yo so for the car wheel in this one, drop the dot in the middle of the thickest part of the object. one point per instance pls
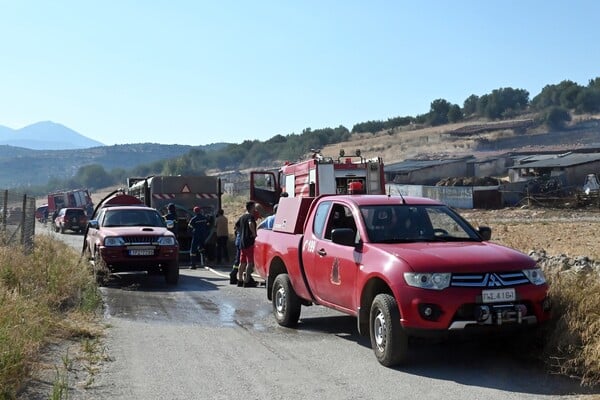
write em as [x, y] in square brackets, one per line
[56, 228]
[172, 273]
[286, 303]
[388, 339]
[62, 229]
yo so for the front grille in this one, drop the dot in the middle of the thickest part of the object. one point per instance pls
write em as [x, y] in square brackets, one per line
[140, 239]
[489, 279]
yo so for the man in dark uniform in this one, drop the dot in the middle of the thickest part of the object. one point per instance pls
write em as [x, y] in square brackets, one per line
[199, 225]
[171, 215]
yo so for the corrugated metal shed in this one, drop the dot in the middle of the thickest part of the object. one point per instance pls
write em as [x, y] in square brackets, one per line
[568, 160]
[415, 165]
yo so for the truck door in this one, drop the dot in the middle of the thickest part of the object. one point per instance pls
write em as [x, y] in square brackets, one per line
[332, 269]
[264, 189]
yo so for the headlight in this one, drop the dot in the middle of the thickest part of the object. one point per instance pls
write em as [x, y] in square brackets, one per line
[166, 241]
[428, 281]
[535, 276]
[114, 241]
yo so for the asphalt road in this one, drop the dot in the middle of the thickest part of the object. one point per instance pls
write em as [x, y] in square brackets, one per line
[206, 339]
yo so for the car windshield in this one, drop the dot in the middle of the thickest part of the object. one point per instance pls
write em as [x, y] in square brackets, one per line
[420, 223]
[150, 217]
[74, 213]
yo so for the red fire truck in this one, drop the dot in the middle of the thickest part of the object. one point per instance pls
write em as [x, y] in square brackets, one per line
[76, 198]
[316, 176]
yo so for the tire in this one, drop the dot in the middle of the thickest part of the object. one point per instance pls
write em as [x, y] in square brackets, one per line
[56, 229]
[62, 229]
[172, 273]
[286, 303]
[388, 340]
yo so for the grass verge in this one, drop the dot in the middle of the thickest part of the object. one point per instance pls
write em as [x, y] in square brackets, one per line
[46, 293]
[572, 345]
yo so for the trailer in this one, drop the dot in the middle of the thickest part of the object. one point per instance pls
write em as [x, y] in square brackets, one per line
[185, 192]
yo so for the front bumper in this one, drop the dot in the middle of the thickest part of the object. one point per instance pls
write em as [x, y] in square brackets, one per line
[138, 258]
[459, 308]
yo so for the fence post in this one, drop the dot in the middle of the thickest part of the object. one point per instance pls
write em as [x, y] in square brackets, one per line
[24, 207]
[4, 210]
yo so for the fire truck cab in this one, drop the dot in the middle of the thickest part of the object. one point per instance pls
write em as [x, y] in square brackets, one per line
[316, 176]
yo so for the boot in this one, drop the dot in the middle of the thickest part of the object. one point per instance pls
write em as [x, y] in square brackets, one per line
[251, 283]
[233, 276]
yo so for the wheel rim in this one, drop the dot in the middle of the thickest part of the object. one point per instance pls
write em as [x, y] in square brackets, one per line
[379, 330]
[280, 297]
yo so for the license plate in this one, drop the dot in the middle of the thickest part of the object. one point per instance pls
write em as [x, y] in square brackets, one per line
[498, 295]
[141, 252]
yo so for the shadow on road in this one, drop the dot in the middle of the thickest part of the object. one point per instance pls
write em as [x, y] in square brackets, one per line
[484, 361]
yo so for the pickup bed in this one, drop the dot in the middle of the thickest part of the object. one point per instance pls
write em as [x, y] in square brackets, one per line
[404, 266]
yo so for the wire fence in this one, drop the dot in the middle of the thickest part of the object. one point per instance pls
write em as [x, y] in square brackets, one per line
[17, 219]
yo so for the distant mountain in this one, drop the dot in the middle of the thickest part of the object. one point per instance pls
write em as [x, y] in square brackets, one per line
[45, 135]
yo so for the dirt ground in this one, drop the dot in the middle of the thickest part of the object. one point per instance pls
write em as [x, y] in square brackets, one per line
[557, 231]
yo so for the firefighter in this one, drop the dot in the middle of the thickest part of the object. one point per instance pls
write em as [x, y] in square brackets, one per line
[199, 225]
[171, 215]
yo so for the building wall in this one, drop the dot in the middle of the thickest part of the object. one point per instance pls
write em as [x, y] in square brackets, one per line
[575, 176]
[430, 175]
[494, 167]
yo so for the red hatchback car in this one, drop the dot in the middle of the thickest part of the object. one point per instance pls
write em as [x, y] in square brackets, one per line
[73, 219]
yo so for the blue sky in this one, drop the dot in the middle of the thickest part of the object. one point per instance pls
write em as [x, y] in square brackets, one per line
[198, 72]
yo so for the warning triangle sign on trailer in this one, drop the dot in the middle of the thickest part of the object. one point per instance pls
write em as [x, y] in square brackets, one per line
[185, 189]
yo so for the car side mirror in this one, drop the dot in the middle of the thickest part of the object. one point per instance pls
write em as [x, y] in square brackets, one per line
[93, 224]
[343, 236]
[485, 232]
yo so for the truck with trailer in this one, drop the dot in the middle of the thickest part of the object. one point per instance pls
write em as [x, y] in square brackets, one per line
[316, 176]
[403, 266]
[185, 192]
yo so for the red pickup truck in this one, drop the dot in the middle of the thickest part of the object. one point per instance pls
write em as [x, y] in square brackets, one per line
[404, 266]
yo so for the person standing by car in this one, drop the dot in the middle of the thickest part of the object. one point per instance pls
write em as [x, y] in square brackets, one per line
[45, 215]
[171, 215]
[199, 226]
[246, 226]
[222, 236]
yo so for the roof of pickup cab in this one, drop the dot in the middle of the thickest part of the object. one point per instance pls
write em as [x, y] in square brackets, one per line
[379, 199]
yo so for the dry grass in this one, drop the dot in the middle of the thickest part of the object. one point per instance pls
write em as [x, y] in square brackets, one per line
[45, 294]
[573, 341]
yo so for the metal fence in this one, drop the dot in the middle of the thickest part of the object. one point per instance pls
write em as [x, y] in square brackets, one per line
[17, 219]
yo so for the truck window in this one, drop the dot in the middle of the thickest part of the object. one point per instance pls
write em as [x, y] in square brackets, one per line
[321, 218]
[340, 217]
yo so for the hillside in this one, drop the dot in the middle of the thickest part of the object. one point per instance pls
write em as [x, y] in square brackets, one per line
[450, 140]
[22, 167]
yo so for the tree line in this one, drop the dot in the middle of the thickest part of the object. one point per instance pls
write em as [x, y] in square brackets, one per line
[553, 106]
